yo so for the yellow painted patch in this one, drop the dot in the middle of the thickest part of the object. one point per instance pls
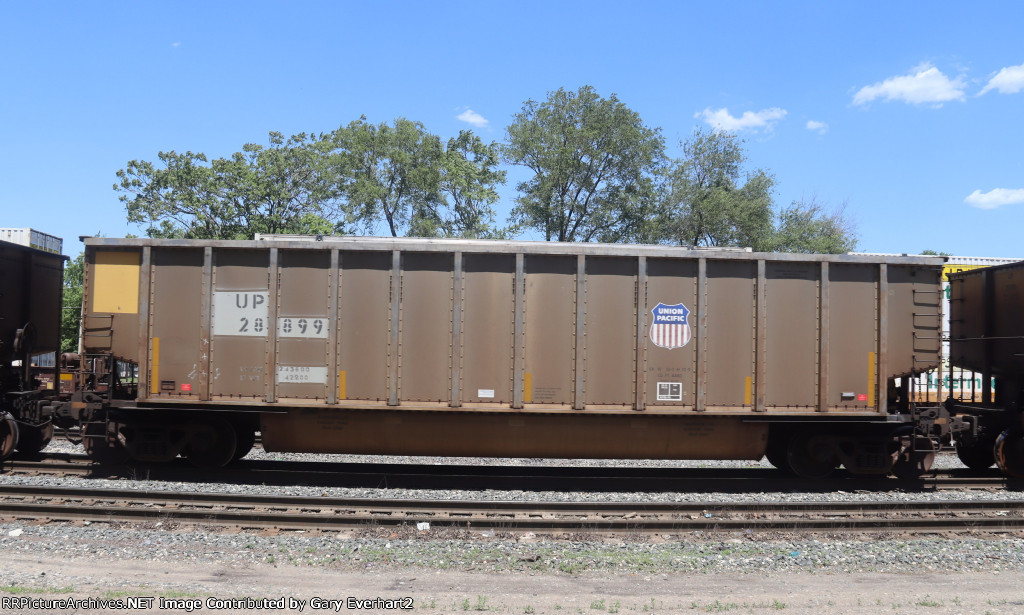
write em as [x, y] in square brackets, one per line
[747, 388]
[66, 377]
[871, 380]
[342, 385]
[948, 269]
[154, 372]
[527, 388]
[115, 285]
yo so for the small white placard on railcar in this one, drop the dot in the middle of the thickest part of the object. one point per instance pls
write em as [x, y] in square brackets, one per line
[485, 393]
[301, 374]
[670, 391]
[242, 313]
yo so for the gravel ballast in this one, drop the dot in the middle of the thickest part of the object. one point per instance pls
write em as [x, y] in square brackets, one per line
[78, 555]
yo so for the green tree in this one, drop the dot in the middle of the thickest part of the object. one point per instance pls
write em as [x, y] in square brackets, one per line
[287, 187]
[389, 172]
[707, 199]
[468, 188]
[807, 226]
[593, 162]
[72, 313]
[705, 202]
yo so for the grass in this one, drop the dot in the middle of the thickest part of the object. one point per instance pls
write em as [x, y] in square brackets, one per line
[21, 589]
[480, 605]
[929, 601]
[720, 607]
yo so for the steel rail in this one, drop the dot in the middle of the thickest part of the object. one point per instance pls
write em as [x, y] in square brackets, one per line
[389, 475]
[297, 512]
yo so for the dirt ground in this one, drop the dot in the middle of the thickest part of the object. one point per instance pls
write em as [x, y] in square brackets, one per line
[205, 587]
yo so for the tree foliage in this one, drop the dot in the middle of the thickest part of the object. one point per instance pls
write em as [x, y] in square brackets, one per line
[287, 187]
[593, 162]
[468, 189]
[809, 227]
[72, 304]
[400, 174]
[389, 172]
[597, 173]
[353, 178]
[705, 201]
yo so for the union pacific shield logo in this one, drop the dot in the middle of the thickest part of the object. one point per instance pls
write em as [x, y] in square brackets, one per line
[669, 328]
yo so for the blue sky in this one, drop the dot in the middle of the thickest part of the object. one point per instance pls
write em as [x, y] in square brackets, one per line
[907, 112]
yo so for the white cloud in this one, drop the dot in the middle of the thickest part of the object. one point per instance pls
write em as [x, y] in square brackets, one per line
[721, 119]
[178, 44]
[818, 127]
[472, 117]
[924, 84]
[995, 198]
[1009, 80]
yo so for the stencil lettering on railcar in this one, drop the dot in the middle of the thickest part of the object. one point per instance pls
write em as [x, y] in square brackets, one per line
[302, 326]
[669, 327]
[241, 313]
[301, 374]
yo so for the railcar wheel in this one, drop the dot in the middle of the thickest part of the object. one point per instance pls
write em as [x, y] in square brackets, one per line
[977, 453]
[34, 438]
[213, 444]
[810, 455]
[914, 453]
[1009, 452]
[8, 435]
[245, 439]
[102, 446]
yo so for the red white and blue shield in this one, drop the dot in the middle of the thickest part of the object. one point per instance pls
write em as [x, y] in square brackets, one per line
[669, 328]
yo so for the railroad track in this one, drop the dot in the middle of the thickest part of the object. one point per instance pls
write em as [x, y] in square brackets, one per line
[540, 478]
[19, 502]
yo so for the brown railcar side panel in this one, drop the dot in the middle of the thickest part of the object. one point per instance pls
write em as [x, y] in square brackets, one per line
[31, 283]
[731, 333]
[987, 320]
[425, 324]
[175, 305]
[577, 334]
[914, 329]
[610, 331]
[550, 329]
[969, 321]
[303, 324]
[853, 338]
[671, 282]
[1007, 353]
[45, 300]
[30, 291]
[14, 311]
[364, 310]
[241, 324]
[792, 344]
[393, 432]
[487, 328]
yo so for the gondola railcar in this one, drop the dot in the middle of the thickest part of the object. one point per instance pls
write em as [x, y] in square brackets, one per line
[508, 348]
